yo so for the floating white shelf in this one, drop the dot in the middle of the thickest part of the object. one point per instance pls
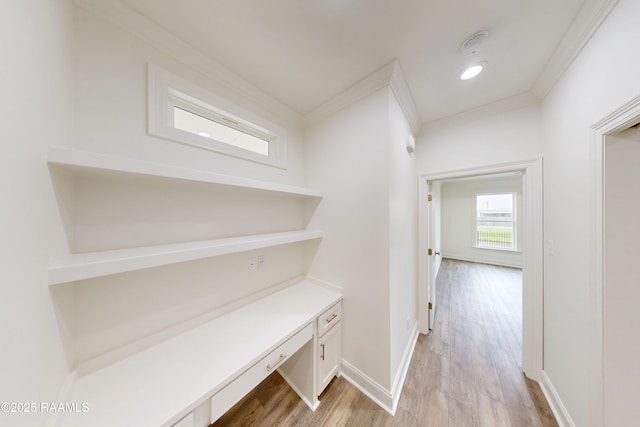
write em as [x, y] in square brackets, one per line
[96, 264]
[88, 162]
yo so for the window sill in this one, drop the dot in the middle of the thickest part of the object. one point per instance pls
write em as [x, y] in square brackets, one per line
[515, 251]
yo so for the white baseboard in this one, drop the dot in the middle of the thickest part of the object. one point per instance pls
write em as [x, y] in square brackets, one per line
[387, 400]
[401, 375]
[481, 260]
[369, 387]
[558, 408]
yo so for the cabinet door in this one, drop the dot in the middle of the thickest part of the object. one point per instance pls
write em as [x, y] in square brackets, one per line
[329, 356]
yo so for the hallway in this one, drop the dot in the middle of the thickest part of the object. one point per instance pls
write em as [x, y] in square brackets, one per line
[472, 358]
[465, 373]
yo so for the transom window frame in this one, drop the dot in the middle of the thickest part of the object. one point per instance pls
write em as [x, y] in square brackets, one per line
[167, 91]
[514, 202]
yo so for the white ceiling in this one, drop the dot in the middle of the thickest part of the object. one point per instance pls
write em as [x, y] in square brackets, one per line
[305, 52]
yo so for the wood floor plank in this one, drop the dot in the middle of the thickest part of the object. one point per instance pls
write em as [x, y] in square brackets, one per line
[465, 373]
[492, 413]
[463, 413]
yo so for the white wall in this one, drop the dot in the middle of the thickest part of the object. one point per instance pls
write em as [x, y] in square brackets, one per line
[36, 112]
[403, 237]
[506, 137]
[109, 109]
[602, 78]
[622, 319]
[347, 159]
[111, 98]
[458, 219]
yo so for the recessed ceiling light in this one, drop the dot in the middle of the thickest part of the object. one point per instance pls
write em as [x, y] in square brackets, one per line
[472, 71]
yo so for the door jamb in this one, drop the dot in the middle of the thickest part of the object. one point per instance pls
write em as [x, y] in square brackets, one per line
[622, 118]
[532, 255]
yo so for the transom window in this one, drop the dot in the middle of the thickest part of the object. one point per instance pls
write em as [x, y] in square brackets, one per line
[185, 113]
[496, 221]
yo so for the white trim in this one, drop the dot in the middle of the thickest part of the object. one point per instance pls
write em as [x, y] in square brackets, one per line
[402, 92]
[478, 260]
[555, 403]
[532, 253]
[160, 118]
[118, 13]
[389, 75]
[591, 15]
[423, 264]
[369, 387]
[401, 375]
[625, 116]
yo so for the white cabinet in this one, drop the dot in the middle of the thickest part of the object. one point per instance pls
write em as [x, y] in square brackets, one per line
[329, 346]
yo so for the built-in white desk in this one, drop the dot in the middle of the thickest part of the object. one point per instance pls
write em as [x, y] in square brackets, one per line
[216, 363]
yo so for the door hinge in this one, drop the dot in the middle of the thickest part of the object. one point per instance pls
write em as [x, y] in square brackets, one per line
[430, 306]
[430, 252]
[429, 197]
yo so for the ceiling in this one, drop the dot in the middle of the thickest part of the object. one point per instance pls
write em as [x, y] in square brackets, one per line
[305, 52]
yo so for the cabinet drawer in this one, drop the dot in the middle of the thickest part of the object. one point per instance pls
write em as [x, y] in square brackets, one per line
[329, 318]
[234, 391]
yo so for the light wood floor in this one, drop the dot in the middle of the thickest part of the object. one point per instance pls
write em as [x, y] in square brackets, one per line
[465, 373]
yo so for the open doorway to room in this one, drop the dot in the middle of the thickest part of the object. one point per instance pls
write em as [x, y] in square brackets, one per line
[614, 373]
[524, 244]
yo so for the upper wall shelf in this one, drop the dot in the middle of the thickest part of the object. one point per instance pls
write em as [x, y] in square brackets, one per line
[84, 161]
[96, 264]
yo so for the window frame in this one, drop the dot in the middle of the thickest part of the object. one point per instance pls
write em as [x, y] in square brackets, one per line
[166, 91]
[514, 206]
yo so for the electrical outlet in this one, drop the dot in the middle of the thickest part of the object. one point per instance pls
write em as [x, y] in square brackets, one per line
[253, 263]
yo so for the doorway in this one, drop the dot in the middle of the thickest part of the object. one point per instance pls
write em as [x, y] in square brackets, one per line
[615, 267]
[532, 255]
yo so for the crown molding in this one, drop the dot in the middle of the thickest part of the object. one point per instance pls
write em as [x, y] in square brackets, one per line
[583, 27]
[403, 95]
[135, 23]
[390, 75]
[487, 110]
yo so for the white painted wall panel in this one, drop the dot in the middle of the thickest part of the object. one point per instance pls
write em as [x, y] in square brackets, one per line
[507, 137]
[37, 86]
[403, 235]
[111, 105]
[458, 219]
[347, 159]
[603, 77]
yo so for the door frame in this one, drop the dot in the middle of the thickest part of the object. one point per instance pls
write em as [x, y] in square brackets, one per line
[622, 118]
[532, 254]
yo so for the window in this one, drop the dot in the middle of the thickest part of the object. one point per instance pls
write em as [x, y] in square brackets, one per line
[496, 221]
[184, 113]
